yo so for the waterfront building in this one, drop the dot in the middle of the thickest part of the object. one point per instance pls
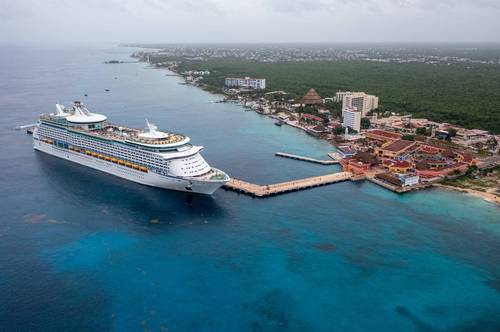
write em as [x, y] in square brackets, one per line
[354, 166]
[317, 130]
[389, 179]
[245, 82]
[352, 118]
[360, 163]
[311, 119]
[311, 98]
[151, 157]
[408, 180]
[346, 151]
[362, 101]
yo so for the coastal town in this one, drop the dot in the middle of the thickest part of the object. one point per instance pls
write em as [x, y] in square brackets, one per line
[299, 53]
[396, 151]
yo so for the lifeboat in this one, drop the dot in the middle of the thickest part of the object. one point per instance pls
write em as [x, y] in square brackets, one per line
[121, 162]
[88, 152]
[143, 169]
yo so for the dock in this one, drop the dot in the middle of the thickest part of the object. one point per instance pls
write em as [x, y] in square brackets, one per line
[261, 191]
[333, 161]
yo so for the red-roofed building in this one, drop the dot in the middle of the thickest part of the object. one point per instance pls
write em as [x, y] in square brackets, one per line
[393, 149]
[383, 135]
[398, 166]
[442, 172]
[428, 149]
[311, 119]
[355, 166]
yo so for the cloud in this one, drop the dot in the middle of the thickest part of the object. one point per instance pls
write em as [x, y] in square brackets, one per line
[305, 6]
[249, 20]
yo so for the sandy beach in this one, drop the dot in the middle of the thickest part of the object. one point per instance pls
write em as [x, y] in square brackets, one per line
[481, 194]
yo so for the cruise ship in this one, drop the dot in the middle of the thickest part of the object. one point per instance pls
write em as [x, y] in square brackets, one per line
[150, 157]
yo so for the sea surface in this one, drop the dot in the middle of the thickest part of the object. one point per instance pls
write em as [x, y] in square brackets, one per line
[79, 250]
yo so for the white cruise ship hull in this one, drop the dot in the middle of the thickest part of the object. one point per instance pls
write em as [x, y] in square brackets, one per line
[150, 178]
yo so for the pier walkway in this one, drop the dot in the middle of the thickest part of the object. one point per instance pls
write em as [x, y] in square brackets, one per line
[308, 159]
[256, 190]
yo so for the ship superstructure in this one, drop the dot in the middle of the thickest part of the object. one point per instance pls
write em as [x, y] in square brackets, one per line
[151, 157]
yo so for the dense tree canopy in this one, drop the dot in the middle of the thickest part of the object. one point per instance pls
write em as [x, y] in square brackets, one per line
[458, 93]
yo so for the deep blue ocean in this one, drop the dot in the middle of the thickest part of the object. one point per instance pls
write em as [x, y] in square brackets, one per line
[78, 251]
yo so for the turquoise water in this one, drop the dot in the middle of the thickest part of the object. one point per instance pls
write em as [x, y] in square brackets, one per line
[78, 251]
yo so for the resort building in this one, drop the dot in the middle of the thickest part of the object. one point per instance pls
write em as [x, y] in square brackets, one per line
[246, 82]
[401, 123]
[351, 118]
[383, 136]
[393, 150]
[468, 137]
[360, 163]
[429, 172]
[389, 179]
[362, 101]
[397, 166]
[354, 166]
[311, 119]
[311, 98]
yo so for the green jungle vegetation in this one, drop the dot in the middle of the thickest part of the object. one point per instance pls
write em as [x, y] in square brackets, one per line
[464, 94]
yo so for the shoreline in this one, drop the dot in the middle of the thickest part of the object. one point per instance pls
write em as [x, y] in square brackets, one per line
[492, 198]
[488, 197]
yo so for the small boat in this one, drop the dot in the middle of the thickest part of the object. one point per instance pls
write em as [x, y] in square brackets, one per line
[86, 95]
[278, 123]
[107, 90]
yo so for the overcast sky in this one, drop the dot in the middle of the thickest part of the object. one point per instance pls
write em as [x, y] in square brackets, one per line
[175, 21]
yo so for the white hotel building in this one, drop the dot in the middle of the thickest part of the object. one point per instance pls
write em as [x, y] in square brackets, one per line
[245, 82]
[352, 118]
[360, 100]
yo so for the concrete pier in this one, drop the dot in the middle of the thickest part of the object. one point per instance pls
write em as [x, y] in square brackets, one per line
[256, 190]
[308, 159]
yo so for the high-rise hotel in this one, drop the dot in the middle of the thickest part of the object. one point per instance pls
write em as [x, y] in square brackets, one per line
[245, 82]
[362, 101]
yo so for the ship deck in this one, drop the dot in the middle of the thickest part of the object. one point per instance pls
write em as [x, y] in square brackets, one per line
[122, 133]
